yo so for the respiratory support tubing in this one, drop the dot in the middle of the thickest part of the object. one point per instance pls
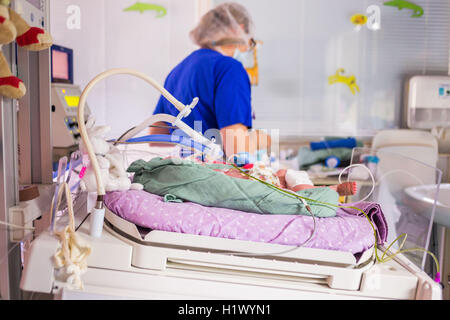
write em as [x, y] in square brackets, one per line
[99, 212]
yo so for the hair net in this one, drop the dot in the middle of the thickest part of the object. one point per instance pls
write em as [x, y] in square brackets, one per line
[227, 23]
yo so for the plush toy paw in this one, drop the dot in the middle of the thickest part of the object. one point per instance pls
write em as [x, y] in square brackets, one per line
[30, 38]
[12, 87]
[96, 136]
[117, 184]
[35, 39]
[137, 186]
[8, 31]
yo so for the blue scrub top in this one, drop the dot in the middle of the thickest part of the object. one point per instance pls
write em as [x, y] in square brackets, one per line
[222, 85]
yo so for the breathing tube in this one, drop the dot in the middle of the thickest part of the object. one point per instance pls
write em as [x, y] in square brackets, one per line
[98, 213]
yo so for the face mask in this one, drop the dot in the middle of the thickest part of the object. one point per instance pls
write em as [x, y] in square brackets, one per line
[246, 58]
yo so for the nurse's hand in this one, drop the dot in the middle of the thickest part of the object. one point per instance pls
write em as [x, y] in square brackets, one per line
[154, 130]
[237, 138]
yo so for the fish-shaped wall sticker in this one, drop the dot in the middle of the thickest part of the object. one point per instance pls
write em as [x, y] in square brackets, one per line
[350, 81]
[142, 7]
[402, 4]
[359, 19]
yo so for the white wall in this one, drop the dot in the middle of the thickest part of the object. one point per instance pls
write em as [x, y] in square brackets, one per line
[111, 38]
[306, 41]
[88, 43]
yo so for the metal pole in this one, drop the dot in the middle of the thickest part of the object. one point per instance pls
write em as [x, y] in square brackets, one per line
[10, 254]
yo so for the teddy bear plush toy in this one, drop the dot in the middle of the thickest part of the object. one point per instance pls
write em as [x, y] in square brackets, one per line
[110, 160]
[13, 27]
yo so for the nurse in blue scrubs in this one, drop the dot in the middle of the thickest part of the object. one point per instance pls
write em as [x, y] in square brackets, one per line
[216, 74]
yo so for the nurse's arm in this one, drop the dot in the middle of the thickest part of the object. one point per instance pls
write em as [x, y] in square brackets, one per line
[154, 130]
[237, 138]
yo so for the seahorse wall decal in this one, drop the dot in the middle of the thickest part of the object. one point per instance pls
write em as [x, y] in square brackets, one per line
[142, 7]
[402, 4]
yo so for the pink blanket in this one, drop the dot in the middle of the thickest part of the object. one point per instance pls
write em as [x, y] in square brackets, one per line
[348, 231]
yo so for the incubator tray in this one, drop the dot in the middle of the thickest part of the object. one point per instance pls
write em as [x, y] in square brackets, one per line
[159, 250]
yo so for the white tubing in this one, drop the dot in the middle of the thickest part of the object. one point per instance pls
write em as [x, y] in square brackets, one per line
[81, 120]
[175, 122]
[96, 222]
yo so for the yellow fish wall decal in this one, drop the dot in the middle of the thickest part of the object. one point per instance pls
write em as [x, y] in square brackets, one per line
[359, 19]
[350, 81]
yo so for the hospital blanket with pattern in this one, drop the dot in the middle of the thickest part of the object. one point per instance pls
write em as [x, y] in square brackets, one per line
[347, 231]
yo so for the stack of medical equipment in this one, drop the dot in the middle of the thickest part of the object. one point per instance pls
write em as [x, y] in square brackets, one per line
[169, 248]
[331, 152]
[327, 157]
[65, 99]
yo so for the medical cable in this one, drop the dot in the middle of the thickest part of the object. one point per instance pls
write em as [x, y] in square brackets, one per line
[14, 226]
[9, 251]
[62, 165]
[371, 176]
[375, 254]
[404, 235]
[308, 208]
[27, 238]
[378, 259]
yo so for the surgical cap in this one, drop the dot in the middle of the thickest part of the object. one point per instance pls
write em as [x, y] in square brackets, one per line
[228, 23]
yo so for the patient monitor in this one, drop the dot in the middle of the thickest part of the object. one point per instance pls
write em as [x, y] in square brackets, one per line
[65, 99]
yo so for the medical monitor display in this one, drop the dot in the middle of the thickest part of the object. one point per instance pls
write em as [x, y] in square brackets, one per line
[62, 64]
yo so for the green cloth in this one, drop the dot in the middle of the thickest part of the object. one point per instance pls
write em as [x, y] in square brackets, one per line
[199, 183]
[172, 198]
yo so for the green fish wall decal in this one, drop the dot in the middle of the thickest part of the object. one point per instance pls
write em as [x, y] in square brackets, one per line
[142, 7]
[402, 4]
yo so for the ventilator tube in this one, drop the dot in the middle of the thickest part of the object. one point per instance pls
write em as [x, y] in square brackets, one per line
[96, 227]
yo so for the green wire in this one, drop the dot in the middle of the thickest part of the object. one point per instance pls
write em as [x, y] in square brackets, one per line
[380, 260]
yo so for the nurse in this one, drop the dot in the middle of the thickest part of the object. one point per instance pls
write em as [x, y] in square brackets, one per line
[216, 74]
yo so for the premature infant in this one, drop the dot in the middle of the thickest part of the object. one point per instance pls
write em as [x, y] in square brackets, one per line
[288, 179]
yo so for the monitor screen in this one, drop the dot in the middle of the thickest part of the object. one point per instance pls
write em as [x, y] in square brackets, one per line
[62, 64]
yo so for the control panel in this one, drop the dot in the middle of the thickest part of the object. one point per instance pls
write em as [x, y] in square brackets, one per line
[65, 129]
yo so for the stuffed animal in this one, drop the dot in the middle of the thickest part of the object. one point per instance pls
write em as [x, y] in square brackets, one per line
[110, 160]
[13, 27]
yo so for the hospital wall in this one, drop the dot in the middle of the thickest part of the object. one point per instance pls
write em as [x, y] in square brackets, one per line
[108, 37]
[307, 41]
[304, 42]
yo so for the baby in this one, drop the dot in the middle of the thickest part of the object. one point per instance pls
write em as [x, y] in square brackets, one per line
[299, 180]
[288, 179]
